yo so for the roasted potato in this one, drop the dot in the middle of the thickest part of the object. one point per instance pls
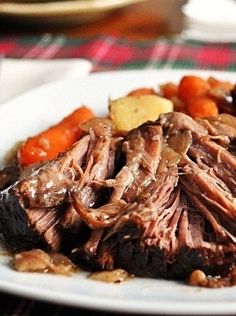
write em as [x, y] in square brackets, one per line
[131, 111]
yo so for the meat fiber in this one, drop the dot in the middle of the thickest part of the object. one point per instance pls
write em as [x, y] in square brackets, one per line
[183, 218]
[33, 208]
[161, 202]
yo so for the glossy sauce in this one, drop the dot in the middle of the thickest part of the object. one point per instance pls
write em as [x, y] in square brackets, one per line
[198, 278]
[37, 260]
[114, 276]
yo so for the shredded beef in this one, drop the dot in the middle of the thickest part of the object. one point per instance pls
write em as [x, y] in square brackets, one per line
[159, 202]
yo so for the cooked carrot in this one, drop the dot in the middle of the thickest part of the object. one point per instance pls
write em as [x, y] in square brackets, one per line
[219, 84]
[191, 87]
[49, 143]
[169, 90]
[202, 107]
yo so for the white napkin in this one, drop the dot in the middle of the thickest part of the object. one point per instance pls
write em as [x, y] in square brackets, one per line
[19, 75]
[210, 20]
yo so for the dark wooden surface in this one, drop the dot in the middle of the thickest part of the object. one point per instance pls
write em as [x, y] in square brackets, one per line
[147, 20]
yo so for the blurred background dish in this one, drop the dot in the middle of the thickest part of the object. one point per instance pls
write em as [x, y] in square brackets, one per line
[210, 20]
[68, 11]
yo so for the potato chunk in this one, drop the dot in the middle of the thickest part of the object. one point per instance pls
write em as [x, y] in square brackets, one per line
[131, 111]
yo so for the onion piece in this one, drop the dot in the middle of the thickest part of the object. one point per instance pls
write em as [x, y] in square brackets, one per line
[36, 260]
[114, 276]
[95, 122]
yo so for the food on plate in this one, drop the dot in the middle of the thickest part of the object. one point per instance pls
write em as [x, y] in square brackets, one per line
[150, 200]
[37, 260]
[158, 202]
[199, 278]
[202, 107]
[192, 87]
[131, 111]
[114, 276]
[169, 90]
[201, 97]
[220, 84]
[54, 140]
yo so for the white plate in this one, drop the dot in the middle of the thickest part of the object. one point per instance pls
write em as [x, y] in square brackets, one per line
[73, 11]
[35, 110]
[220, 13]
[210, 20]
[27, 73]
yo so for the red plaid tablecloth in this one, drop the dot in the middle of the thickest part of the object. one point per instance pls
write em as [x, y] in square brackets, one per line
[110, 53]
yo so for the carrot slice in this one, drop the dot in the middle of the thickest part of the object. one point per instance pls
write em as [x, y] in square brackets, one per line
[169, 90]
[219, 84]
[56, 139]
[202, 107]
[191, 87]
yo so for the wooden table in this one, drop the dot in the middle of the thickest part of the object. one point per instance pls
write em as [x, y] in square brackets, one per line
[147, 20]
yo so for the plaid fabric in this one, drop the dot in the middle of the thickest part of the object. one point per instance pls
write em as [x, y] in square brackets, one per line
[110, 53]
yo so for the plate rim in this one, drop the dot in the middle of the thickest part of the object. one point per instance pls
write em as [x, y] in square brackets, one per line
[62, 8]
[112, 304]
[204, 72]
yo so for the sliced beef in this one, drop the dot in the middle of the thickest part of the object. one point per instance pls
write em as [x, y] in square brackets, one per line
[183, 218]
[38, 201]
[170, 247]
[159, 203]
[32, 207]
[99, 166]
[175, 122]
[141, 153]
[209, 174]
[168, 242]
[71, 220]
[49, 185]
[142, 149]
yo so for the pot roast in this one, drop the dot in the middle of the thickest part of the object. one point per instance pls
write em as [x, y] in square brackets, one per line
[158, 202]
